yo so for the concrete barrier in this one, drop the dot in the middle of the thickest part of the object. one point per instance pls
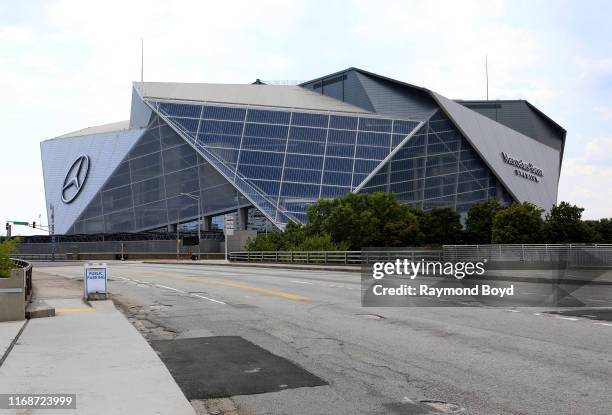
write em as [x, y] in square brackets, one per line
[12, 296]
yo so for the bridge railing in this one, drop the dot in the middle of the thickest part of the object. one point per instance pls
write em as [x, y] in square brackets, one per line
[26, 267]
[573, 254]
[333, 257]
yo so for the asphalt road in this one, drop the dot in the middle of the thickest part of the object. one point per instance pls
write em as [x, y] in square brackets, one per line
[376, 360]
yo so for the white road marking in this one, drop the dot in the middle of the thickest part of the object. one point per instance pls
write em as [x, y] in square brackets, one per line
[513, 311]
[302, 282]
[568, 318]
[177, 290]
[209, 299]
[604, 324]
[170, 288]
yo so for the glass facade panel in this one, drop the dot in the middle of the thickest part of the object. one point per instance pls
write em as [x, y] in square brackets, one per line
[302, 145]
[145, 167]
[179, 158]
[148, 191]
[151, 215]
[117, 198]
[120, 177]
[184, 181]
[121, 221]
[436, 168]
[281, 161]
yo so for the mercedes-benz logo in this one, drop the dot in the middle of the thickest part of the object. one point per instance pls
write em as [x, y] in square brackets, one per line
[75, 179]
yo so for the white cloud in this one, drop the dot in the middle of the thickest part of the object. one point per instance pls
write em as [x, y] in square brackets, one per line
[585, 181]
[599, 150]
[588, 186]
[68, 64]
[604, 112]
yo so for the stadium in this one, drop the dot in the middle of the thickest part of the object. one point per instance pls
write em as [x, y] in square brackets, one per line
[194, 152]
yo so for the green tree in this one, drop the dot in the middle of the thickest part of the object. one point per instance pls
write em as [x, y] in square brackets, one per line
[365, 219]
[441, 226]
[520, 223]
[293, 235]
[272, 241]
[295, 238]
[564, 225]
[7, 248]
[321, 242]
[479, 221]
[601, 230]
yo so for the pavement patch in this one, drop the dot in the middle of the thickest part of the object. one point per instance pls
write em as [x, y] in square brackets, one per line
[224, 366]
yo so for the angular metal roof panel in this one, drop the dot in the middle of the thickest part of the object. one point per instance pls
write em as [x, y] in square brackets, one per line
[491, 139]
[286, 96]
[98, 129]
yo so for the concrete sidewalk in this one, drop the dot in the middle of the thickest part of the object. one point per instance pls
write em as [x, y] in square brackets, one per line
[93, 352]
[9, 330]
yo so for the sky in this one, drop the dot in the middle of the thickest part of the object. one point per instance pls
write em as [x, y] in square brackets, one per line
[66, 65]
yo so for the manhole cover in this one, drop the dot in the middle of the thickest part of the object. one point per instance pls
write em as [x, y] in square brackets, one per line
[223, 366]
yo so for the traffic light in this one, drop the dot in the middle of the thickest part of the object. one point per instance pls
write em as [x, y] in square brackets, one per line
[34, 224]
[8, 230]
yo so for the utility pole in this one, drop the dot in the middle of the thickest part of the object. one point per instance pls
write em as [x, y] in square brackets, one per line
[52, 208]
[487, 74]
[141, 59]
[199, 218]
[178, 239]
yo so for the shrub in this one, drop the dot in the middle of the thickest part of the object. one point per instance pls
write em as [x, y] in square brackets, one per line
[7, 248]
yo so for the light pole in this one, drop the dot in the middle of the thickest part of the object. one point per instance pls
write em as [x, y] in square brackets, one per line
[199, 217]
[52, 208]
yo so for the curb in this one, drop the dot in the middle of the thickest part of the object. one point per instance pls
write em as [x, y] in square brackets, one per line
[13, 342]
[39, 313]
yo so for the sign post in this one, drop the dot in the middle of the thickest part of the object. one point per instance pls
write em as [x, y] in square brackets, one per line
[228, 229]
[95, 281]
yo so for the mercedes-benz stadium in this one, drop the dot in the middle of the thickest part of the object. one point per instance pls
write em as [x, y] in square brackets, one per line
[193, 151]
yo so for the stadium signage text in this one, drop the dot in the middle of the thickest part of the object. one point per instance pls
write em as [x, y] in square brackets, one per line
[525, 170]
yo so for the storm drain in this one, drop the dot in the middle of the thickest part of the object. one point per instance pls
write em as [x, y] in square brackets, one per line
[223, 366]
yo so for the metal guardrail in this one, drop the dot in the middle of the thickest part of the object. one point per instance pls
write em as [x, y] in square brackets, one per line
[333, 257]
[19, 263]
[574, 254]
[40, 257]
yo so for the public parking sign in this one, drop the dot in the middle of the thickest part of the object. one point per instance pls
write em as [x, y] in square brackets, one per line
[96, 281]
[229, 225]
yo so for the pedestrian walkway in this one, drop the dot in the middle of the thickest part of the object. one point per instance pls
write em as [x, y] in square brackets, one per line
[91, 351]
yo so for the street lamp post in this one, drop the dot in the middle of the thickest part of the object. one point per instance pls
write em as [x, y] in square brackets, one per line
[199, 218]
